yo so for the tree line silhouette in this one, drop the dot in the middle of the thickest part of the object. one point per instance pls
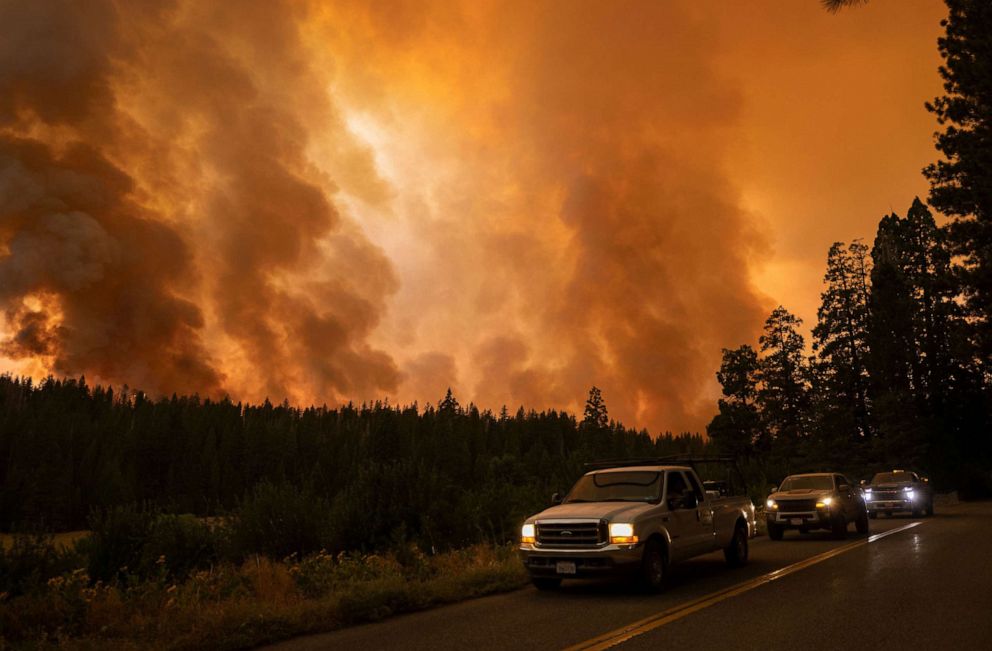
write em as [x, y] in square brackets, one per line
[894, 377]
[442, 475]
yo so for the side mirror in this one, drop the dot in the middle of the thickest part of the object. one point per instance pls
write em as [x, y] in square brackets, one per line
[863, 483]
[556, 499]
[926, 480]
[690, 501]
[773, 489]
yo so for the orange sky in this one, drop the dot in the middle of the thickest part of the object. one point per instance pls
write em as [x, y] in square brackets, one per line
[358, 200]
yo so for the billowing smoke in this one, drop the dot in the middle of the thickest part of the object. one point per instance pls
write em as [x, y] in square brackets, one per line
[580, 225]
[162, 225]
[329, 201]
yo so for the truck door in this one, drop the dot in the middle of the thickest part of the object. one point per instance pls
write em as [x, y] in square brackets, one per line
[683, 517]
[704, 510]
[848, 496]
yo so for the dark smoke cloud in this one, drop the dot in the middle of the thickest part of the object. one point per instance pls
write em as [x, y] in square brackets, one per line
[161, 223]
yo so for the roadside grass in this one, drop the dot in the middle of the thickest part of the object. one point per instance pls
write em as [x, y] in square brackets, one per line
[260, 601]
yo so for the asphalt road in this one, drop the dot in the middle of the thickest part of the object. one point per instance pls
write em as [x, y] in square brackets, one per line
[927, 586]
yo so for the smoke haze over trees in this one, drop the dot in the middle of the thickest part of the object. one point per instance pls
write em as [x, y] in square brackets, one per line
[333, 201]
[894, 379]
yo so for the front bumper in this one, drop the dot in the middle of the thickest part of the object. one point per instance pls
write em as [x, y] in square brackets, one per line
[586, 563]
[885, 505]
[819, 519]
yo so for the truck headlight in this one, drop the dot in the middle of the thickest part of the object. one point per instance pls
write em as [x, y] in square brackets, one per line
[527, 534]
[867, 492]
[910, 494]
[771, 504]
[622, 533]
[824, 503]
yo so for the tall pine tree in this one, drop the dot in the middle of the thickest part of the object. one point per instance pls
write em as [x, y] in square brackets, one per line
[736, 429]
[961, 183]
[784, 393]
[840, 341]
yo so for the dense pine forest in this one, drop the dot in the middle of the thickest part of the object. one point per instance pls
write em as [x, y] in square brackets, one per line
[443, 476]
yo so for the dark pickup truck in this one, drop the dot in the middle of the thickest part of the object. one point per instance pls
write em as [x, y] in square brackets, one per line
[823, 500]
[899, 490]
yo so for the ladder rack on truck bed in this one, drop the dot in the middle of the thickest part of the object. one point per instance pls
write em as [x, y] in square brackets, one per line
[739, 487]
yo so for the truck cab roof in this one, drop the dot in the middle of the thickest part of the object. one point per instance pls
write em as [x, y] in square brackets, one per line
[649, 468]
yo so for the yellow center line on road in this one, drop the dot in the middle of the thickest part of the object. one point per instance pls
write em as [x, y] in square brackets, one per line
[621, 635]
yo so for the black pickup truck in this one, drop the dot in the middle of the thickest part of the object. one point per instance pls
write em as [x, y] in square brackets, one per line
[823, 500]
[899, 490]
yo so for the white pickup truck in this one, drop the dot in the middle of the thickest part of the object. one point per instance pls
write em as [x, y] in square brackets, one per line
[635, 519]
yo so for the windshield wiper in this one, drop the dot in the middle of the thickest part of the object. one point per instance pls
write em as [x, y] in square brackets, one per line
[574, 501]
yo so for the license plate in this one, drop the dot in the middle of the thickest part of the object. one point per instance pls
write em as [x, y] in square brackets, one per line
[565, 567]
[796, 521]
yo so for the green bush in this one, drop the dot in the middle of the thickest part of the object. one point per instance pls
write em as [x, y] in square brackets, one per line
[177, 545]
[114, 548]
[134, 541]
[280, 520]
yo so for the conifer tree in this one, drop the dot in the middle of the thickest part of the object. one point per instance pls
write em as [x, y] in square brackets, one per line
[840, 341]
[736, 429]
[961, 182]
[784, 393]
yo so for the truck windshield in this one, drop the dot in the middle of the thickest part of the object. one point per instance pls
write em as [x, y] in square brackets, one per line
[617, 487]
[892, 477]
[800, 482]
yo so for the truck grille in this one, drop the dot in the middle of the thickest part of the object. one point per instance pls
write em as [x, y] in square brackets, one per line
[572, 534]
[795, 506]
[886, 495]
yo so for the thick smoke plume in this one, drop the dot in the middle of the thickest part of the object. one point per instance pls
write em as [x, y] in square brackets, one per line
[162, 225]
[347, 201]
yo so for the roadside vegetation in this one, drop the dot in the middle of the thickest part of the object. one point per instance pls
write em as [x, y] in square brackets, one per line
[144, 579]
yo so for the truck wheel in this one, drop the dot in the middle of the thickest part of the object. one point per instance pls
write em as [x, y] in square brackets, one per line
[862, 523]
[654, 566]
[917, 511]
[736, 552]
[839, 527]
[929, 508]
[872, 514]
[775, 532]
[545, 583]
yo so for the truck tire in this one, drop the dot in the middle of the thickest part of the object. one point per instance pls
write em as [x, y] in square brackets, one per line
[839, 527]
[654, 566]
[872, 514]
[545, 583]
[862, 523]
[736, 552]
[929, 508]
[917, 511]
[775, 532]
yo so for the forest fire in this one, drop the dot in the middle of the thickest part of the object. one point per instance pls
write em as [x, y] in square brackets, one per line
[353, 201]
